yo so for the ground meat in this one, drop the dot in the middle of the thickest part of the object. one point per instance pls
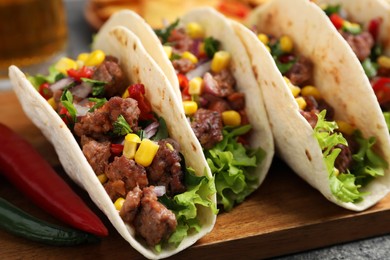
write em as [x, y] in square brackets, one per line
[127, 107]
[165, 169]
[310, 116]
[225, 82]
[130, 206]
[94, 124]
[207, 126]
[115, 189]
[180, 40]
[97, 154]
[128, 171]
[219, 105]
[154, 222]
[322, 104]
[311, 104]
[301, 72]
[344, 159]
[183, 65]
[110, 71]
[237, 100]
[361, 44]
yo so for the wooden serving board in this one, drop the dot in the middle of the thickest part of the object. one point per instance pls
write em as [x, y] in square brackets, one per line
[284, 216]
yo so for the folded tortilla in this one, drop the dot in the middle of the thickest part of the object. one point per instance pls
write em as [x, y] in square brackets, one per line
[139, 68]
[217, 26]
[337, 75]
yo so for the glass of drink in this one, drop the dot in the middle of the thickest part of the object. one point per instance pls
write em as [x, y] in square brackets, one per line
[33, 33]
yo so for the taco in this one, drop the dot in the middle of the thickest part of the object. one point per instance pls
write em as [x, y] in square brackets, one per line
[219, 94]
[367, 34]
[325, 119]
[121, 135]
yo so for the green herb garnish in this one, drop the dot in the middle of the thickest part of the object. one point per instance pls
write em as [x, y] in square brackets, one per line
[211, 46]
[165, 32]
[121, 127]
[99, 102]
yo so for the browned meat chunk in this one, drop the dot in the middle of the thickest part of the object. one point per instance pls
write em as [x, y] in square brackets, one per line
[180, 40]
[225, 82]
[115, 189]
[361, 44]
[301, 72]
[344, 159]
[237, 100]
[154, 222]
[207, 126]
[131, 204]
[310, 116]
[111, 73]
[128, 108]
[94, 124]
[165, 169]
[183, 65]
[97, 154]
[128, 171]
[220, 105]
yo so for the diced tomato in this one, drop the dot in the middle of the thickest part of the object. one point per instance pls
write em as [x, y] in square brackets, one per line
[116, 149]
[337, 21]
[183, 81]
[374, 26]
[234, 8]
[65, 115]
[45, 91]
[84, 72]
[137, 92]
[381, 88]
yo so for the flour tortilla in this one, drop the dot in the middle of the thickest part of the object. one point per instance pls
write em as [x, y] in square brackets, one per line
[140, 68]
[217, 26]
[339, 77]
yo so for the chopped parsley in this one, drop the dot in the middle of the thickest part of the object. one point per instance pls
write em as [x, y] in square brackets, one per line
[121, 127]
[164, 33]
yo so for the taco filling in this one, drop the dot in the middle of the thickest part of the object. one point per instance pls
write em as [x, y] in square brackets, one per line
[215, 109]
[369, 51]
[350, 159]
[128, 147]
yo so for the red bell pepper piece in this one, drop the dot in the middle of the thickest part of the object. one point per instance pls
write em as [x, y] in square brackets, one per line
[25, 168]
[336, 20]
[381, 88]
[116, 149]
[65, 115]
[45, 91]
[83, 72]
[374, 26]
[137, 92]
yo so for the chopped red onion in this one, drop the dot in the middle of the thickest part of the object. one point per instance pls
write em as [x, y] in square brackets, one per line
[195, 47]
[159, 190]
[80, 110]
[210, 84]
[82, 90]
[151, 130]
[199, 71]
[61, 84]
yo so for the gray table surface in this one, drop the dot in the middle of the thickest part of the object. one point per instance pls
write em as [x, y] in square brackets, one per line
[80, 36]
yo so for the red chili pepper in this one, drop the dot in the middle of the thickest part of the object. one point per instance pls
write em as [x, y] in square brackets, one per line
[137, 92]
[234, 8]
[183, 81]
[84, 72]
[25, 168]
[45, 91]
[381, 88]
[116, 149]
[337, 21]
[373, 27]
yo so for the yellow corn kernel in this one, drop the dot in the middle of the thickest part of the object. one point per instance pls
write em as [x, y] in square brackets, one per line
[126, 94]
[301, 102]
[95, 58]
[220, 61]
[102, 178]
[146, 152]
[384, 62]
[263, 38]
[336, 172]
[170, 147]
[195, 86]
[231, 118]
[190, 107]
[345, 128]
[119, 203]
[311, 91]
[286, 44]
[189, 56]
[294, 89]
[201, 50]
[195, 30]
[83, 56]
[168, 51]
[130, 145]
[268, 48]
[65, 64]
[52, 103]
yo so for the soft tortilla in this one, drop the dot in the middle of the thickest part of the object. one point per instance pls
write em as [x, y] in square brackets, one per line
[216, 25]
[139, 67]
[340, 79]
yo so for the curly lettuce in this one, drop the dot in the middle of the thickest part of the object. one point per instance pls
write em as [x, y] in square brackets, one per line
[366, 163]
[232, 165]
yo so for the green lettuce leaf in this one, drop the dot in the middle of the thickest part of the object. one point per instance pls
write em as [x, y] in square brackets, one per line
[232, 165]
[387, 119]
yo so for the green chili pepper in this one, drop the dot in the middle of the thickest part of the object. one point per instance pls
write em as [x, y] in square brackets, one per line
[19, 223]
